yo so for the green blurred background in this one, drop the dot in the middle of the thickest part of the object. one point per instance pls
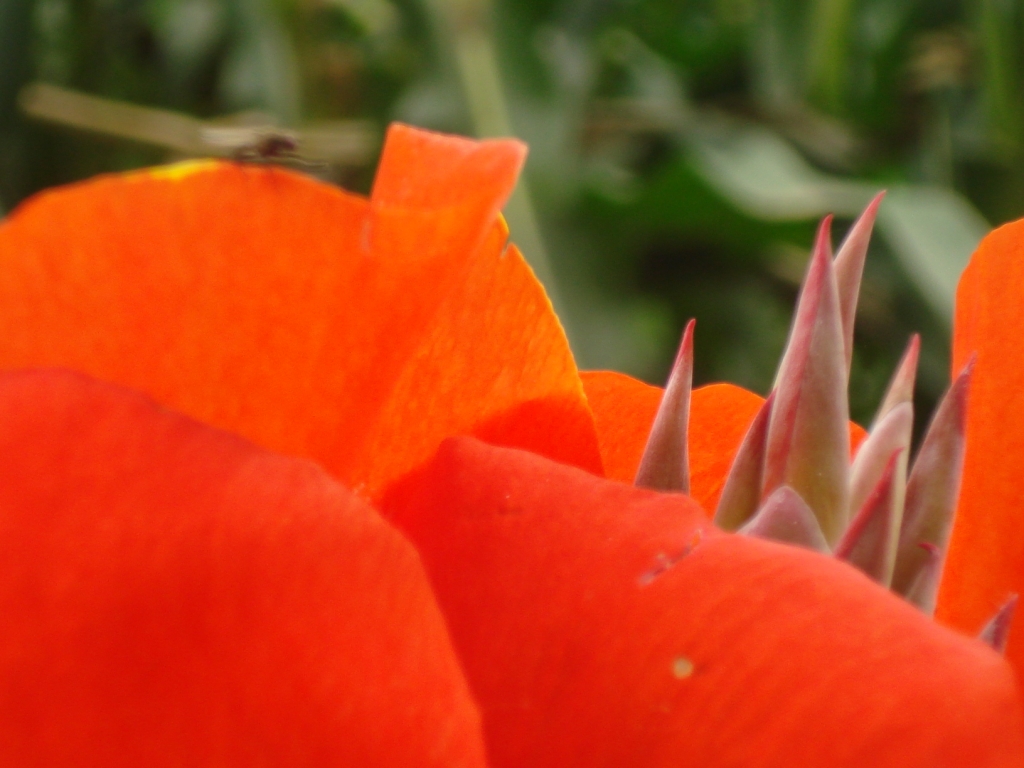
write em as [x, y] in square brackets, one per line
[682, 151]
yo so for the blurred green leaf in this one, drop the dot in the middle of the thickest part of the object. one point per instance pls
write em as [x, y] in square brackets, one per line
[188, 32]
[261, 71]
[828, 51]
[999, 32]
[15, 71]
[680, 152]
[765, 176]
[934, 231]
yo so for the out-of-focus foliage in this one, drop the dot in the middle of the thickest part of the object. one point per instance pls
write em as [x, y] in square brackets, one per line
[681, 150]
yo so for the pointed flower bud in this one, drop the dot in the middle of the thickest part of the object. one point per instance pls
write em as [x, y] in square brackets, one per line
[807, 445]
[901, 387]
[785, 517]
[997, 631]
[925, 586]
[870, 541]
[742, 491]
[849, 265]
[791, 479]
[934, 484]
[664, 465]
[891, 434]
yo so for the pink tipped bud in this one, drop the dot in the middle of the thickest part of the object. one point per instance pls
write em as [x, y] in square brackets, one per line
[742, 492]
[934, 484]
[808, 441]
[996, 632]
[925, 586]
[891, 434]
[665, 465]
[786, 517]
[850, 268]
[870, 541]
[901, 387]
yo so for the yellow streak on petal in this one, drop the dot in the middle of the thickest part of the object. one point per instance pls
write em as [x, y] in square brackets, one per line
[179, 171]
[503, 224]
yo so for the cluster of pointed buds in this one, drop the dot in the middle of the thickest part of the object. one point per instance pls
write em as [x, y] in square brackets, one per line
[793, 480]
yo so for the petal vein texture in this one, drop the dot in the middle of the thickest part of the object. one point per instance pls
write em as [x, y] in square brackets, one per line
[359, 333]
[173, 595]
[985, 561]
[604, 625]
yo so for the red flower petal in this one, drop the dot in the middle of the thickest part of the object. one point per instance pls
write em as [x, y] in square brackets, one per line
[624, 410]
[986, 552]
[600, 624]
[305, 319]
[172, 595]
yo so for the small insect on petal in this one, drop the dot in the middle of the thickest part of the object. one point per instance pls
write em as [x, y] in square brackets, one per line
[996, 632]
[665, 465]
[265, 144]
[786, 517]
[901, 387]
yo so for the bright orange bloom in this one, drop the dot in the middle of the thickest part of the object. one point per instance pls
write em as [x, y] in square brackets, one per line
[355, 332]
[175, 595]
[986, 556]
[600, 624]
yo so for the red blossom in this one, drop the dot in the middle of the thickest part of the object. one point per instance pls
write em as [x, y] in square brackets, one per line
[985, 565]
[600, 624]
[173, 594]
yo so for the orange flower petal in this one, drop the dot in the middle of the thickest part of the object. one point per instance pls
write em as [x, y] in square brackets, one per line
[310, 321]
[172, 595]
[720, 416]
[600, 624]
[624, 410]
[986, 552]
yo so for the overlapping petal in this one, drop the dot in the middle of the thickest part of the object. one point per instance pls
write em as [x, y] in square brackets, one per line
[600, 624]
[357, 333]
[624, 410]
[237, 607]
[172, 595]
[985, 563]
[720, 414]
